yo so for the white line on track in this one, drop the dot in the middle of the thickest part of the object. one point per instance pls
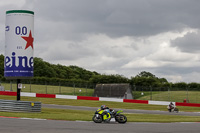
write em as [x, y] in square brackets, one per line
[32, 119]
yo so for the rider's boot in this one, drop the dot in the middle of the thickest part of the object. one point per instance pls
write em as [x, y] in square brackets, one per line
[107, 120]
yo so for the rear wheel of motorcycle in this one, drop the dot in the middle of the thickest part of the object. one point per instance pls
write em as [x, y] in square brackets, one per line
[97, 120]
[121, 118]
[176, 110]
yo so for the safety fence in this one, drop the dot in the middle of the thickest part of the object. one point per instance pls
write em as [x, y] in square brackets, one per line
[183, 94]
[187, 94]
[65, 88]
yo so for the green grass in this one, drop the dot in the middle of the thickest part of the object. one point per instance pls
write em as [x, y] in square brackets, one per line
[55, 114]
[72, 115]
[177, 96]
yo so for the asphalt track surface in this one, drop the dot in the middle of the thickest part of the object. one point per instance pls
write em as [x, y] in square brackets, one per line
[26, 125]
[124, 110]
[15, 125]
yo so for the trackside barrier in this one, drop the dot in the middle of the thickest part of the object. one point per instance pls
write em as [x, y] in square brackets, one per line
[25, 94]
[8, 93]
[160, 102]
[87, 98]
[46, 95]
[188, 104]
[98, 99]
[136, 101]
[110, 99]
[66, 97]
[19, 106]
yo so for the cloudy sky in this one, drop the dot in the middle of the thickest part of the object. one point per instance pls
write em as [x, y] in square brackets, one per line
[116, 36]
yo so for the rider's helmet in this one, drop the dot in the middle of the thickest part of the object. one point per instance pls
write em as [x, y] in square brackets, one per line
[103, 106]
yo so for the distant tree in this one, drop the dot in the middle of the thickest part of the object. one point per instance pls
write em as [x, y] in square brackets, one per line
[43, 69]
[145, 74]
[194, 86]
[163, 80]
[179, 86]
[109, 79]
[148, 79]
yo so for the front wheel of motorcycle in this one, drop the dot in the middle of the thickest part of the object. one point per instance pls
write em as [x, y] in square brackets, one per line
[98, 119]
[121, 118]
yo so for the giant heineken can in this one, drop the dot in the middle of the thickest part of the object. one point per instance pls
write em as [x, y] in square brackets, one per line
[19, 37]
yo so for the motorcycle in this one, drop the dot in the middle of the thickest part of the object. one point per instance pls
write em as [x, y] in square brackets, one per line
[98, 116]
[175, 109]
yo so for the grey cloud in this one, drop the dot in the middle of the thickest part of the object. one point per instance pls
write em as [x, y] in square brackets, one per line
[66, 51]
[121, 18]
[170, 70]
[189, 43]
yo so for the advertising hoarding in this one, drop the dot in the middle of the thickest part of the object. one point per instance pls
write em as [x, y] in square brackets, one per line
[19, 48]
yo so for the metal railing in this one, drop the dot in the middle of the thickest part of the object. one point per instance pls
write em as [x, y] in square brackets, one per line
[19, 106]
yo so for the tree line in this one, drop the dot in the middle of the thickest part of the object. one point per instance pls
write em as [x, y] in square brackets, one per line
[51, 73]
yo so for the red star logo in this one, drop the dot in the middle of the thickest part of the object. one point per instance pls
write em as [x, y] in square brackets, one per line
[29, 40]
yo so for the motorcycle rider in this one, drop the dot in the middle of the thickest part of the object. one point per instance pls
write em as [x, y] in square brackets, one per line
[107, 113]
[171, 106]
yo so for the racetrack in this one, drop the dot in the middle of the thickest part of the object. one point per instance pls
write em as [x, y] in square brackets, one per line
[13, 125]
[125, 110]
[27, 125]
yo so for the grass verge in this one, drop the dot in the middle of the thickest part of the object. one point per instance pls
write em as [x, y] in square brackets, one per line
[74, 115]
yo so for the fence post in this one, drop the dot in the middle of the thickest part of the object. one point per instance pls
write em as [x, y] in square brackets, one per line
[11, 85]
[187, 93]
[18, 89]
[74, 88]
[110, 91]
[169, 97]
[59, 88]
[134, 91]
[150, 92]
[46, 86]
[94, 86]
[30, 85]
[86, 89]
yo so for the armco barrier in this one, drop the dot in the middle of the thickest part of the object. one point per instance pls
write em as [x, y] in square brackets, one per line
[19, 106]
[98, 99]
